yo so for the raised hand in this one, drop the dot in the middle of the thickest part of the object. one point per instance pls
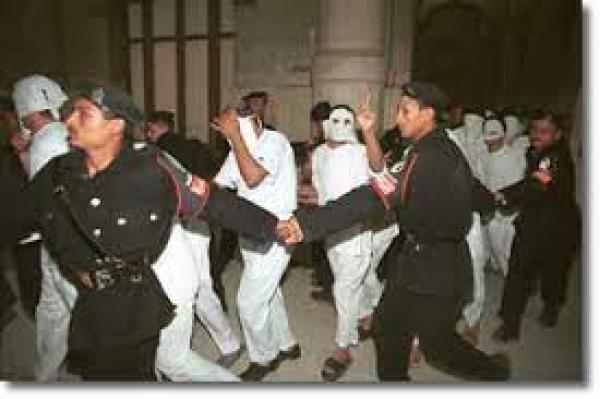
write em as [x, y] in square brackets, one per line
[227, 123]
[365, 116]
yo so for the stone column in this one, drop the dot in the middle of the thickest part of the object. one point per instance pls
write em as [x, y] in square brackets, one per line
[349, 56]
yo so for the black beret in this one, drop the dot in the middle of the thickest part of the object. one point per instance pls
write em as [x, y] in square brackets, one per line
[109, 99]
[428, 94]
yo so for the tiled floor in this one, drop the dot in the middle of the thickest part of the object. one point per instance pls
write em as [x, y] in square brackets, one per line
[542, 356]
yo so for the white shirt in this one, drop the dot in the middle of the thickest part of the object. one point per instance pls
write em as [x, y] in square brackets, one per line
[277, 191]
[47, 143]
[504, 167]
[339, 170]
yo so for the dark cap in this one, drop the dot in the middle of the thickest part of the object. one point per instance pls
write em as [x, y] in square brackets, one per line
[109, 99]
[428, 94]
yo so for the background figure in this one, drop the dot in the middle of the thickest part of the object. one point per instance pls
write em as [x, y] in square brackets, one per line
[547, 227]
[504, 166]
[37, 102]
[322, 278]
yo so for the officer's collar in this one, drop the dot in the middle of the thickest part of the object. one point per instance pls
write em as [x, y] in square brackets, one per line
[431, 136]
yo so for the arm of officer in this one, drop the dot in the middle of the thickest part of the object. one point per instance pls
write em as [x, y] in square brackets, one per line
[22, 206]
[197, 198]
[311, 224]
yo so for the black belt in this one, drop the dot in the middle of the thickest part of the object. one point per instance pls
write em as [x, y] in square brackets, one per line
[112, 272]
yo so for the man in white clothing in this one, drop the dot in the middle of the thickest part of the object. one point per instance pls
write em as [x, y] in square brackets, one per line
[503, 166]
[339, 165]
[261, 167]
[469, 139]
[37, 101]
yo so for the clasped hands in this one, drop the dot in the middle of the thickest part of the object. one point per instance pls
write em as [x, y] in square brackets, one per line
[289, 231]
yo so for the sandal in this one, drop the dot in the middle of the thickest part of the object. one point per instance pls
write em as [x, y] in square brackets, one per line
[333, 369]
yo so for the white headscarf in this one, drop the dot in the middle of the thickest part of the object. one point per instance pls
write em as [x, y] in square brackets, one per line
[473, 126]
[340, 126]
[37, 93]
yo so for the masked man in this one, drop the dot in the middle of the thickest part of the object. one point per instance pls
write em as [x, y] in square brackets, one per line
[504, 166]
[261, 167]
[339, 165]
[37, 101]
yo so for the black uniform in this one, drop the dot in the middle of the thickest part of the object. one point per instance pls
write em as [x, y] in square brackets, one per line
[432, 282]
[191, 154]
[547, 233]
[110, 228]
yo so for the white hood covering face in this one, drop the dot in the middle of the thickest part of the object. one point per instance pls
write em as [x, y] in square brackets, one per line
[340, 126]
[513, 127]
[493, 129]
[37, 93]
[473, 126]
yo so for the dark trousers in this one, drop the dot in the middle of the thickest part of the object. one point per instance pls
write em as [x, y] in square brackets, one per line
[532, 258]
[321, 270]
[120, 363]
[402, 315]
[220, 252]
[29, 273]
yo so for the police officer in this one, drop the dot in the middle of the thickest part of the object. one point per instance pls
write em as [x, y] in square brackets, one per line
[426, 293]
[547, 227]
[107, 213]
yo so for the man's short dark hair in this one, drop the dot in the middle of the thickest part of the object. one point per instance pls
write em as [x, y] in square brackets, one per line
[428, 95]
[166, 117]
[553, 116]
[256, 94]
[320, 111]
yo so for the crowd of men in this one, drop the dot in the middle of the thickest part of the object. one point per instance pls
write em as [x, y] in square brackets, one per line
[123, 228]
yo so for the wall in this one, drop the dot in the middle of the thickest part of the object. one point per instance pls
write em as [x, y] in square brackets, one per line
[64, 39]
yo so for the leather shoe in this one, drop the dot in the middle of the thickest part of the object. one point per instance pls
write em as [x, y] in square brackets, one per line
[257, 371]
[227, 360]
[292, 353]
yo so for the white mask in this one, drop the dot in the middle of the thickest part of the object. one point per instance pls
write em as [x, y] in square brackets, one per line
[248, 133]
[340, 126]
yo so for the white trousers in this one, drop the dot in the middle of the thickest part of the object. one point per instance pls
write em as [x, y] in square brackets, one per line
[372, 287]
[179, 276]
[349, 253]
[476, 242]
[500, 232]
[260, 301]
[53, 315]
[208, 306]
